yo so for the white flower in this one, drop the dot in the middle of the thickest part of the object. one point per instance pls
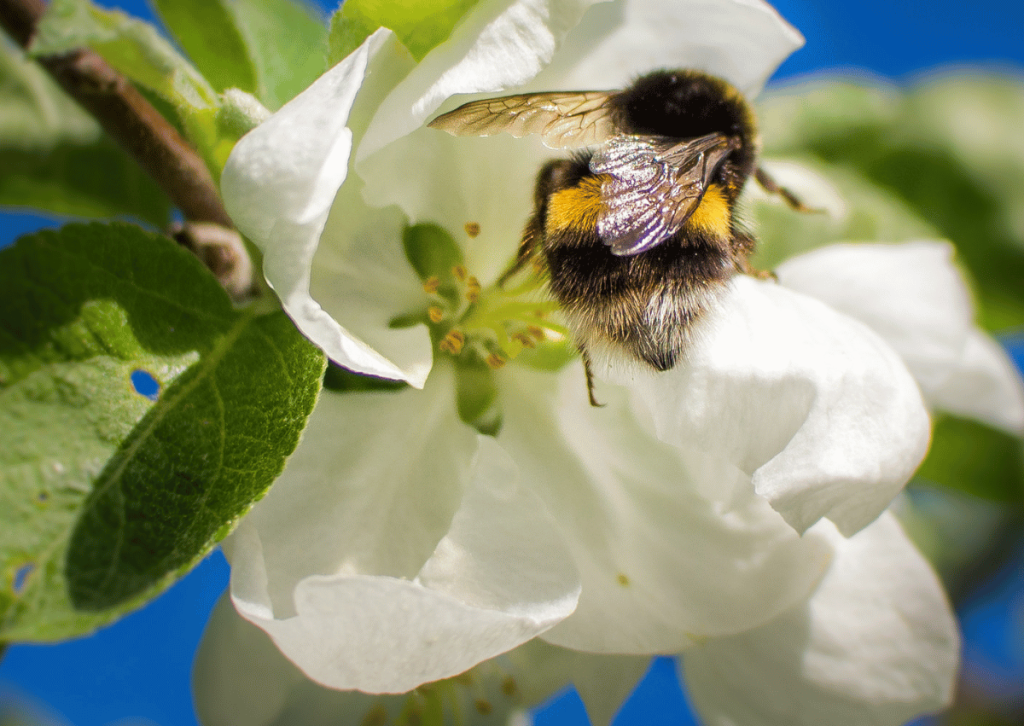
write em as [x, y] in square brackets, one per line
[723, 508]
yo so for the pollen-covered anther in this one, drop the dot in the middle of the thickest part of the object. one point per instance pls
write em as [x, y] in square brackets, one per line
[435, 313]
[525, 339]
[453, 342]
[495, 361]
[472, 228]
[460, 272]
[536, 332]
[431, 284]
[483, 707]
[472, 289]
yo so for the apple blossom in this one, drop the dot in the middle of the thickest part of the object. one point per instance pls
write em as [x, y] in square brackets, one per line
[729, 508]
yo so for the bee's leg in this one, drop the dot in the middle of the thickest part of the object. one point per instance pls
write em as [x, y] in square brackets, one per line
[527, 249]
[773, 187]
[746, 268]
[590, 378]
[743, 246]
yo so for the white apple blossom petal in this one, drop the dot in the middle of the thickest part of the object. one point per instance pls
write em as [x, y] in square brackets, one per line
[499, 44]
[875, 645]
[487, 181]
[984, 385]
[279, 184]
[813, 405]
[910, 294]
[742, 41]
[672, 546]
[913, 295]
[241, 679]
[405, 555]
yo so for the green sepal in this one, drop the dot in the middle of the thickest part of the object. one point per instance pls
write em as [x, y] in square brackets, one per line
[976, 459]
[421, 25]
[107, 495]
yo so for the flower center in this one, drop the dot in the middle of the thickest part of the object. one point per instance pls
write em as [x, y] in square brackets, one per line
[480, 329]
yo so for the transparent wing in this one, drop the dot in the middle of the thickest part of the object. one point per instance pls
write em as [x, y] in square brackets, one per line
[561, 119]
[655, 184]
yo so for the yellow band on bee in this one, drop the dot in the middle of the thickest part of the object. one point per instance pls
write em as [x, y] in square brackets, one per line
[576, 208]
[713, 216]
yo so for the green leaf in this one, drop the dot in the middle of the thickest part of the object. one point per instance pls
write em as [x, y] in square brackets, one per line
[106, 494]
[138, 51]
[207, 31]
[287, 42]
[132, 46]
[54, 157]
[973, 458]
[421, 25]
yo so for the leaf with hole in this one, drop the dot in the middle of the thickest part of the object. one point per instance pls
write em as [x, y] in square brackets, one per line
[142, 416]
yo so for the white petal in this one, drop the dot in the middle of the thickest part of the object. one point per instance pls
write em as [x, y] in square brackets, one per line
[371, 489]
[875, 645]
[392, 556]
[241, 679]
[910, 294]
[814, 406]
[984, 385]
[499, 44]
[672, 546]
[914, 296]
[742, 41]
[486, 181]
[279, 184]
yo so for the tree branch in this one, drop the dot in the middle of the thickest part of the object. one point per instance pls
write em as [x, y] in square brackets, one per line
[127, 117]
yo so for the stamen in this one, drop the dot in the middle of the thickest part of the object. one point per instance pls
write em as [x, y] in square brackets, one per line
[453, 342]
[460, 272]
[435, 313]
[431, 285]
[525, 339]
[472, 289]
[495, 361]
[472, 229]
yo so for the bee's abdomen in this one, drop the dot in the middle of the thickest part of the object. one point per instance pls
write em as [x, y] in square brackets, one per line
[645, 304]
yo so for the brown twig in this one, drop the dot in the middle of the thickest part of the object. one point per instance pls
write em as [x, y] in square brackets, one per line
[127, 117]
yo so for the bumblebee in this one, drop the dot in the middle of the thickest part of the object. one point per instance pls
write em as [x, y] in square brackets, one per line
[638, 232]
